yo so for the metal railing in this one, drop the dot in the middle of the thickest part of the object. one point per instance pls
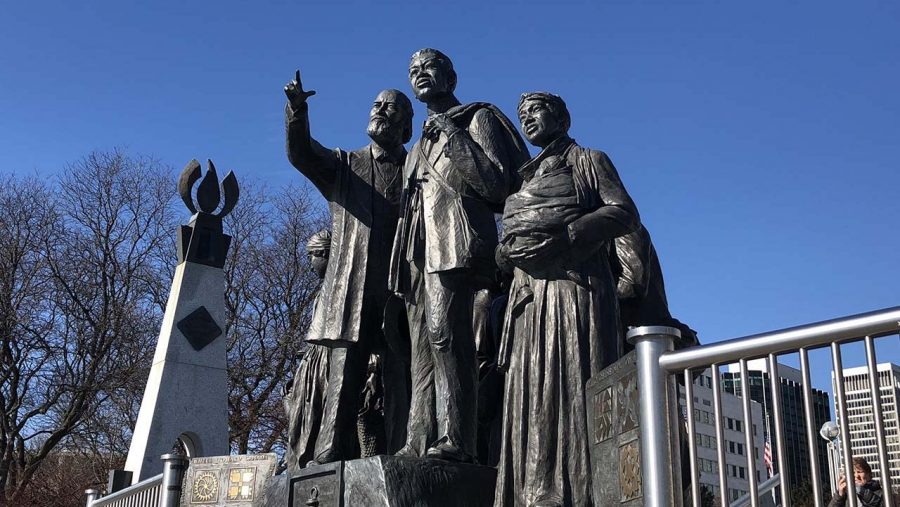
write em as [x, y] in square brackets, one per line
[658, 365]
[142, 494]
[163, 490]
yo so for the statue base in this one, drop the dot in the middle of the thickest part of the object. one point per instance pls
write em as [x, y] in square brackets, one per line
[390, 481]
[614, 434]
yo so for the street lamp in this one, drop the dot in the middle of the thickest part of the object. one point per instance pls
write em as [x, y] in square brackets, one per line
[831, 432]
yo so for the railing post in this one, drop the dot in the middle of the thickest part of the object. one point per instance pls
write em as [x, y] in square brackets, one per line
[174, 467]
[660, 460]
[92, 494]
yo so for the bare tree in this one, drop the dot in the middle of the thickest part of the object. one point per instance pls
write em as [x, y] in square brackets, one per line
[85, 269]
[28, 221]
[74, 356]
[269, 297]
[63, 476]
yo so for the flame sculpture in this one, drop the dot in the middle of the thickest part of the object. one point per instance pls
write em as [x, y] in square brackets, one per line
[208, 195]
[202, 240]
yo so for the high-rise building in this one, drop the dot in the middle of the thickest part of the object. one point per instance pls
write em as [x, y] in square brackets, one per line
[738, 476]
[799, 467]
[861, 416]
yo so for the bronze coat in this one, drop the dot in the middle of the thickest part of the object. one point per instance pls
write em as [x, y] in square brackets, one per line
[357, 266]
[454, 187]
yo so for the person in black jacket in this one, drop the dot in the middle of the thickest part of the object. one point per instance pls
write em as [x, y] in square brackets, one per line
[868, 491]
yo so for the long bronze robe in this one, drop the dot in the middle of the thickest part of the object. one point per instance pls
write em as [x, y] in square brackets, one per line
[561, 327]
[363, 190]
[364, 209]
[304, 405]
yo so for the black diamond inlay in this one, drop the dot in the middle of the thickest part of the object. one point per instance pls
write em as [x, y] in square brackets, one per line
[199, 328]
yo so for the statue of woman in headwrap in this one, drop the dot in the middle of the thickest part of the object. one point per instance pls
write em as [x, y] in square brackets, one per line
[562, 320]
[304, 396]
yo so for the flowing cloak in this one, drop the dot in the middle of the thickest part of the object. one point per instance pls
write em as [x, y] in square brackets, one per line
[641, 288]
[561, 327]
[362, 229]
[305, 404]
[363, 190]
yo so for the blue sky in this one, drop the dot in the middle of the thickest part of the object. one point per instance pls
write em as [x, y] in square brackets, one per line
[758, 138]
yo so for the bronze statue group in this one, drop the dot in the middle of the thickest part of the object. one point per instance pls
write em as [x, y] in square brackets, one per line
[435, 336]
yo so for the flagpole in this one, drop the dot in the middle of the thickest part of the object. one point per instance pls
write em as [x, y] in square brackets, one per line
[767, 447]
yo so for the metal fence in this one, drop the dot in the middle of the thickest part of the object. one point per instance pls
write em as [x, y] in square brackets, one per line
[163, 490]
[658, 366]
[142, 494]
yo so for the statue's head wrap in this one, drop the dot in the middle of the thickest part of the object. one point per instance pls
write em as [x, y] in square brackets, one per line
[319, 249]
[319, 241]
[554, 103]
[443, 59]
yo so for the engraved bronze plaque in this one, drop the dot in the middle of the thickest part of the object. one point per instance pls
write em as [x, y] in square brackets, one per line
[603, 415]
[233, 481]
[241, 484]
[205, 487]
[614, 435]
[630, 470]
[627, 395]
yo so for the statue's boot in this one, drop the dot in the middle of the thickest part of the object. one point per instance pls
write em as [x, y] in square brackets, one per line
[407, 451]
[449, 452]
[329, 456]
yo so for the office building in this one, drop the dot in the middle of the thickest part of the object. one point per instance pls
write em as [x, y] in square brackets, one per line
[799, 464]
[738, 476]
[861, 415]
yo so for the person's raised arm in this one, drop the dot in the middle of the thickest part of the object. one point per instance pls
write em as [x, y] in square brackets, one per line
[840, 497]
[316, 162]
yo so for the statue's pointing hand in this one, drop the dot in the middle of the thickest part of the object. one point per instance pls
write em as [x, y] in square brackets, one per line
[295, 94]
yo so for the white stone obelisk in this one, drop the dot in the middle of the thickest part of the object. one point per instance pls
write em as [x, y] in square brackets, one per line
[186, 398]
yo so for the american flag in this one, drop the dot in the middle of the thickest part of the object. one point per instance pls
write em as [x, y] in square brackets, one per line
[767, 458]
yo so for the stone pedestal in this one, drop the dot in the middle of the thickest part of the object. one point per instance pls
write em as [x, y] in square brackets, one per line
[274, 492]
[186, 397]
[185, 404]
[614, 433]
[389, 481]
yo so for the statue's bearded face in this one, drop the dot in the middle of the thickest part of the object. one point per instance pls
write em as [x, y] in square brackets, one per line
[387, 119]
[430, 77]
[539, 123]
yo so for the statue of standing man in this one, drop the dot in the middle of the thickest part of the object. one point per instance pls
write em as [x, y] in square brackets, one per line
[458, 176]
[363, 190]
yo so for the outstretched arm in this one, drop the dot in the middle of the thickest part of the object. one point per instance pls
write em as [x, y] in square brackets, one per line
[316, 162]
